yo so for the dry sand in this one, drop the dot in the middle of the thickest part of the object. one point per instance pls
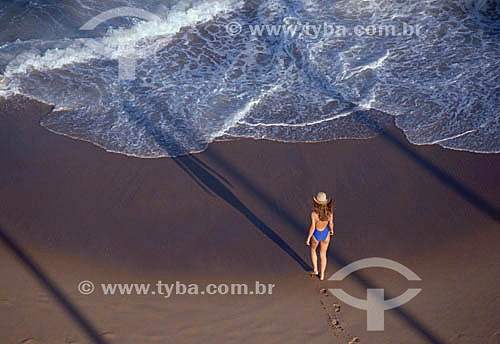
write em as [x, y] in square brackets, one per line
[238, 213]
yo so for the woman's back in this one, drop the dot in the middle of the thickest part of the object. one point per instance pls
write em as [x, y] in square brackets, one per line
[320, 225]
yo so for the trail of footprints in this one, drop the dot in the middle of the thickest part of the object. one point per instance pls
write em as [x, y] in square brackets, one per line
[328, 303]
[334, 316]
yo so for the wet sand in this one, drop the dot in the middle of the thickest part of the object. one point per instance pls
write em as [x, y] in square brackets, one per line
[238, 213]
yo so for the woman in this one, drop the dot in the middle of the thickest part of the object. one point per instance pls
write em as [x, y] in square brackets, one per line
[320, 231]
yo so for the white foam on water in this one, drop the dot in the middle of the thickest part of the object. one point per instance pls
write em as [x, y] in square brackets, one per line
[452, 137]
[350, 72]
[237, 117]
[51, 59]
[122, 41]
[204, 84]
[342, 114]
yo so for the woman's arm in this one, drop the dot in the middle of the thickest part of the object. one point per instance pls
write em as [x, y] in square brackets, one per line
[311, 229]
[331, 224]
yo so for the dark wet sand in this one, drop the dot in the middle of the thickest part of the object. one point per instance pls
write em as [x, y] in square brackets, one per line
[238, 213]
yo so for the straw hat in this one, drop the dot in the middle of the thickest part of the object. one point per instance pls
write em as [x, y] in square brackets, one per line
[321, 198]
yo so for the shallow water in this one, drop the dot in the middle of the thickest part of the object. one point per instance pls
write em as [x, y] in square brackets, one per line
[202, 84]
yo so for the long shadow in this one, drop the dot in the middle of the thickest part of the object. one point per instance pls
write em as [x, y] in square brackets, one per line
[213, 184]
[339, 260]
[461, 190]
[45, 280]
[203, 176]
[206, 178]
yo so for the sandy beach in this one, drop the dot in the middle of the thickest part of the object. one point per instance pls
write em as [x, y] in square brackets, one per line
[238, 213]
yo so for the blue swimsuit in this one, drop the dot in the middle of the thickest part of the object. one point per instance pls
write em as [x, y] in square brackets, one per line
[321, 235]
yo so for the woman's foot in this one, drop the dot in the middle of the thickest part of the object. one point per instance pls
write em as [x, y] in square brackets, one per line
[314, 273]
[322, 277]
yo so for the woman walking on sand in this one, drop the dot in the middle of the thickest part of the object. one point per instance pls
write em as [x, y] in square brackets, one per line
[320, 231]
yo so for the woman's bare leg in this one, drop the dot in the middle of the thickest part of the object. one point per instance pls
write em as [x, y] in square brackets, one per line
[323, 247]
[314, 256]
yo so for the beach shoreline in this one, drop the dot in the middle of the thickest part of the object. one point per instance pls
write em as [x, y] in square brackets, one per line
[239, 212]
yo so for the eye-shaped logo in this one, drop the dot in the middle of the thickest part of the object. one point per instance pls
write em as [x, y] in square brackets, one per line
[375, 305]
[127, 61]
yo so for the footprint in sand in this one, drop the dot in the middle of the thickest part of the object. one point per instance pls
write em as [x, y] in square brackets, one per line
[336, 307]
[333, 313]
[29, 341]
[333, 316]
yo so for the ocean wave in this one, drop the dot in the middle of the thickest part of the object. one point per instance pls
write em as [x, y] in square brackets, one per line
[204, 84]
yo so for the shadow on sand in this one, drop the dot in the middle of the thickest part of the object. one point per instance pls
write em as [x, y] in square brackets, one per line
[30, 264]
[214, 183]
[206, 177]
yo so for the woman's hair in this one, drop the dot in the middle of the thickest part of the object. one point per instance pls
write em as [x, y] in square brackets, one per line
[323, 210]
